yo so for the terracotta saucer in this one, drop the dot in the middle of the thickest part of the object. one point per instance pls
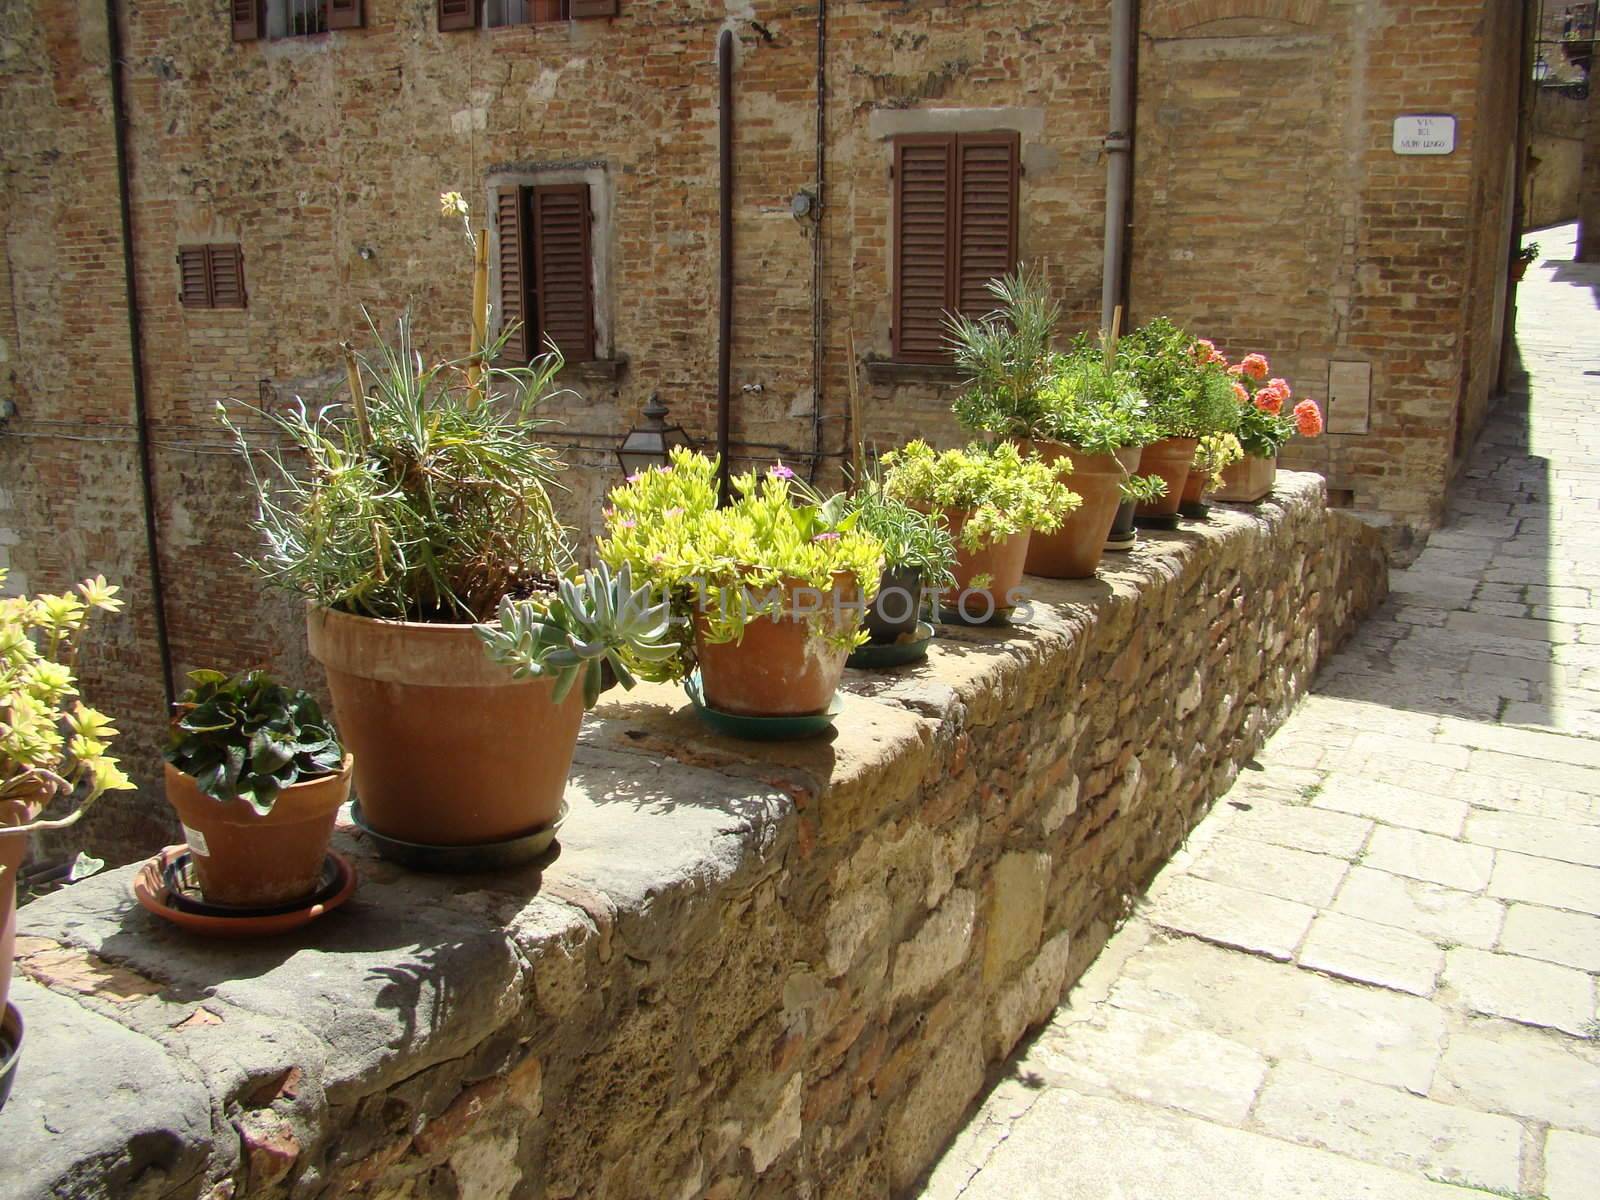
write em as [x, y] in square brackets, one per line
[162, 886]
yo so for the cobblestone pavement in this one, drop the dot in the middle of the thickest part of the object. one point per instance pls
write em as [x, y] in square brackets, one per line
[1372, 970]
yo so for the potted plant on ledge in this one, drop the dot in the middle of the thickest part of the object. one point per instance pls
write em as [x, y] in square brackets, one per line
[257, 777]
[1268, 418]
[52, 746]
[992, 498]
[773, 588]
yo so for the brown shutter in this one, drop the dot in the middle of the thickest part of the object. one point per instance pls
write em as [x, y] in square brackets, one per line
[510, 222]
[457, 14]
[924, 211]
[986, 216]
[563, 296]
[226, 269]
[194, 278]
[587, 10]
[344, 14]
[247, 19]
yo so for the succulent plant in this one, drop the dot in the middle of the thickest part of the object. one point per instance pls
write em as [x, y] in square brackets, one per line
[564, 636]
[248, 737]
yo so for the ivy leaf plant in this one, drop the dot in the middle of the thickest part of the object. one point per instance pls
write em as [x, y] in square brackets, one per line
[598, 617]
[247, 737]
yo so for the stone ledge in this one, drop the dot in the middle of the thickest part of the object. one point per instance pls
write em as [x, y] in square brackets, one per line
[749, 965]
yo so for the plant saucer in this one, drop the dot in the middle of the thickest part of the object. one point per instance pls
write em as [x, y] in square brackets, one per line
[908, 648]
[10, 1048]
[510, 852]
[165, 886]
[1165, 521]
[762, 729]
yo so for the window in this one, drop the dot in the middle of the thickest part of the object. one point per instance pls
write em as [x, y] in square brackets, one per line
[253, 19]
[469, 14]
[546, 269]
[211, 276]
[955, 218]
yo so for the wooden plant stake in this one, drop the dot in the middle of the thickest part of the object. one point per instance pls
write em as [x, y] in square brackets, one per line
[480, 307]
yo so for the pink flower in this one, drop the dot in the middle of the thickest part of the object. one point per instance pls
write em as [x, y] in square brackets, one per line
[1237, 370]
[1240, 393]
[781, 472]
[1269, 400]
[1282, 386]
[627, 524]
[1255, 366]
[634, 478]
[826, 537]
[1308, 418]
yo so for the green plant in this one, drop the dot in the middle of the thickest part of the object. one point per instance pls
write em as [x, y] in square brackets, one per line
[51, 743]
[1215, 454]
[725, 567]
[1528, 254]
[1183, 379]
[423, 501]
[1269, 416]
[1143, 489]
[1001, 491]
[912, 540]
[1006, 356]
[593, 619]
[1093, 407]
[247, 737]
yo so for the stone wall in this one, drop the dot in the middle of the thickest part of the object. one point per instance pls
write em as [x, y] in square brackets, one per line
[1555, 162]
[751, 971]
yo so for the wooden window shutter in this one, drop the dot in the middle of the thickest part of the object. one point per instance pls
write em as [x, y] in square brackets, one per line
[248, 19]
[226, 268]
[986, 216]
[344, 14]
[510, 222]
[588, 10]
[924, 211]
[563, 296]
[457, 14]
[194, 278]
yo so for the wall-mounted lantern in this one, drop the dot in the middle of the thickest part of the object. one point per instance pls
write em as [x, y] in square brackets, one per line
[648, 444]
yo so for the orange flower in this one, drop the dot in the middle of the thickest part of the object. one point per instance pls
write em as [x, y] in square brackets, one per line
[1270, 400]
[1239, 392]
[1255, 366]
[1308, 418]
[1205, 351]
[1282, 386]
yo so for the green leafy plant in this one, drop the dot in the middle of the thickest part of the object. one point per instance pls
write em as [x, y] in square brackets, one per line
[912, 540]
[1215, 454]
[51, 743]
[593, 619]
[247, 737]
[420, 501]
[1183, 379]
[725, 567]
[1528, 254]
[1002, 491]
[1143, 489]
[1006, 356]
[1093, 407]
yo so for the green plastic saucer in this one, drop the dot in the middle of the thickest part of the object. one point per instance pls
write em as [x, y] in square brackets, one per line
[459, 860]
[762, 729]
[877, 656]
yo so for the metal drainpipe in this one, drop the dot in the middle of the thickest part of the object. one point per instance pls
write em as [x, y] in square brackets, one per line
[130, 279]
[817, 323]
[725, 255]
[1119, 161]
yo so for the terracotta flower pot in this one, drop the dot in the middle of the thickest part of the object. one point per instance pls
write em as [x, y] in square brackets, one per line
[1169, 458]
[450, 750]
[1247, 480]
[253, 861]
[1001, 561]
[781, 667]
[1074, 550]
[1193, 489]
[13, 849]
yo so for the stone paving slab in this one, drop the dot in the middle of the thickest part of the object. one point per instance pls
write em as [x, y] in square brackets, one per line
[1374, 969]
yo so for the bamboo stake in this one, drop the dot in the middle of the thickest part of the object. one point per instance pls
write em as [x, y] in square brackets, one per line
[858, 450]
[480, 313]
[352, 370]
[1111, 340]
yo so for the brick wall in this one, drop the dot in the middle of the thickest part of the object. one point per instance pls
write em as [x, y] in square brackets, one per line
[1269, 211]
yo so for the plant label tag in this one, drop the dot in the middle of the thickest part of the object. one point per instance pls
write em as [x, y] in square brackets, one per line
[1424, 135]
[197, 842]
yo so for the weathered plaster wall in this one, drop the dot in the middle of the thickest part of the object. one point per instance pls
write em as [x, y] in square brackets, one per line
[1555, 163]
[752, 970]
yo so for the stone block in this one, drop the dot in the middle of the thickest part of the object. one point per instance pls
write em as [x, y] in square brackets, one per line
[1272, 870]
[1542, 881]
[1430, 858]
[1231, 916]
[1571, 1165]
[1015, 920]
[1443, 914]
[1524, 1072]
[1571, 939]
[1522, 989]
[938, 948]
[1366, 952]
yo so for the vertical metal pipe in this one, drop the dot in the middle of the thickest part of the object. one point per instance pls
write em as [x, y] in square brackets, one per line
[1119, 160]
[818, 330]
[130, 283]
[725, 256]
